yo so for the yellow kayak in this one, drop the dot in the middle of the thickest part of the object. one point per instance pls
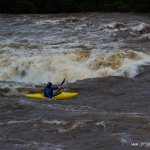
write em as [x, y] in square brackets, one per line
[61, 96]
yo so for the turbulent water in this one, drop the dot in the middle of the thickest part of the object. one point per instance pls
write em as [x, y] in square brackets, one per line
[104, 57]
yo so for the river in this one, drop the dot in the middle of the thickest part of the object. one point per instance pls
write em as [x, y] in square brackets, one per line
[104, 57]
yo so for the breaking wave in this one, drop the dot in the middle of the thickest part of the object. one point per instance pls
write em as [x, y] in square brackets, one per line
[73, 66]
[142, 28]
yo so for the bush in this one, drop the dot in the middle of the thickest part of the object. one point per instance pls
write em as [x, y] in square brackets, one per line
[59, 6]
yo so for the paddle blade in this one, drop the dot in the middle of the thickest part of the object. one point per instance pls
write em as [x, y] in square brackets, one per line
[62, 82]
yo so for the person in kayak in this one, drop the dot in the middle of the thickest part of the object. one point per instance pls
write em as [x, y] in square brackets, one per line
[48, 90]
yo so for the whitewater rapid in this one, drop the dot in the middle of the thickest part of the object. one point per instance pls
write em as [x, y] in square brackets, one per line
[38, 49]
[73, 66]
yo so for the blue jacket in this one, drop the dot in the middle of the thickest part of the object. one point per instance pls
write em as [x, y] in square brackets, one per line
[48, 91]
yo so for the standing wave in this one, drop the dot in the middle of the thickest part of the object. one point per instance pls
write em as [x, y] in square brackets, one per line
[73, 66]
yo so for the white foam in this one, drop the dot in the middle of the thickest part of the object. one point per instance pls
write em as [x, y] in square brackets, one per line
[142, 27]
[146, 36]
[116, 24]
[102, 123]
[56, 67]
[57, 122]
[130, 68]
[44, 68]
[38, 145]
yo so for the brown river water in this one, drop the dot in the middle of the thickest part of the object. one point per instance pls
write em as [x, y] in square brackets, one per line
[104, 57]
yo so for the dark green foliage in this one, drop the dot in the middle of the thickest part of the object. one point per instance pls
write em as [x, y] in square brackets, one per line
[58, 6]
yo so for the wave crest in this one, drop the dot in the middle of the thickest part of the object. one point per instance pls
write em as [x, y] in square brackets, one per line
[72, 66]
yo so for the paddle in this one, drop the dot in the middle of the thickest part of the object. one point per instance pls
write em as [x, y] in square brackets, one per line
[62, 82]
[59, 87]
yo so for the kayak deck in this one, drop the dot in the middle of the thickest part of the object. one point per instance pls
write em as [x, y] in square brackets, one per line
[61, 96]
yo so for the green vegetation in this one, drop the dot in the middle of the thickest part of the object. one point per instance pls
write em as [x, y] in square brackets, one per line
[59, 6]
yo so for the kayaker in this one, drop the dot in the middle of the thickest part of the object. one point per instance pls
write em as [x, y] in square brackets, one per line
[48, 90]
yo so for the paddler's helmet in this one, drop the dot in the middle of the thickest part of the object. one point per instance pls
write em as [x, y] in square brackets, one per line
[49, 84]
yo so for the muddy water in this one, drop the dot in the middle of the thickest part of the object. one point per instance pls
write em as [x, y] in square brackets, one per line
[104, 57]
